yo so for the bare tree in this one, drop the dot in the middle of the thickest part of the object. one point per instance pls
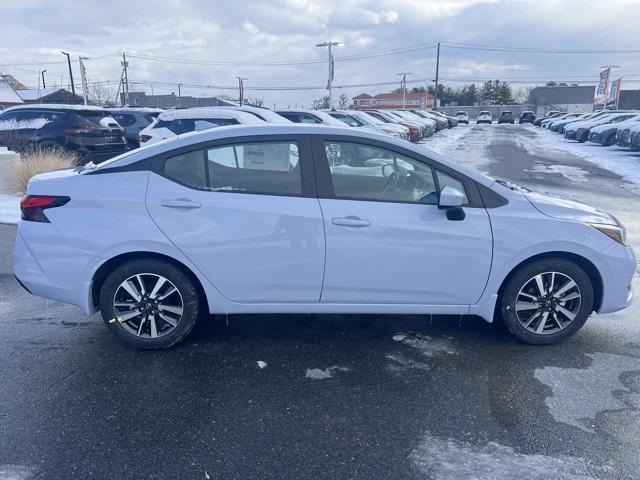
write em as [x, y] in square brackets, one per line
[521, 95]
[254, 101]
[101, 94]
[343, 101]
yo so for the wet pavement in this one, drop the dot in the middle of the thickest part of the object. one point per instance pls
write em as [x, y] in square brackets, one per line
[340, 396]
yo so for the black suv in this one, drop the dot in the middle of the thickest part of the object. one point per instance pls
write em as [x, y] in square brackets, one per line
[527, 117]
[89, 131]
[506, 117]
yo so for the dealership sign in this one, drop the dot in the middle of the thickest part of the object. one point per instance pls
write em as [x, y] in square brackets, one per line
[602, 90]
[614, 94]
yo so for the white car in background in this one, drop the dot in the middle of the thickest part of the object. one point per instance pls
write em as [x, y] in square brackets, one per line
[176, 122]
[354, 118]
[484, 117]
[463, 117]
[430, 125]
[264, 114]
[321, 117]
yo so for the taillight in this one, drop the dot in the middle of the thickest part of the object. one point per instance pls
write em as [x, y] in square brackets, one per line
[87, 129]
[145, 138]
[32, 207]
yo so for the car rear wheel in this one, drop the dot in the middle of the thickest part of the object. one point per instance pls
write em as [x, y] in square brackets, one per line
[149, 304]
[547, 301]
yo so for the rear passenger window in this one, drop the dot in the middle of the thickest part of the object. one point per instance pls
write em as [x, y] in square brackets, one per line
[270, 168]
[188, 169]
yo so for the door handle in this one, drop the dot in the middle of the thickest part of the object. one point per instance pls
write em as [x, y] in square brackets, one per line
[179, 203]
[350, 221]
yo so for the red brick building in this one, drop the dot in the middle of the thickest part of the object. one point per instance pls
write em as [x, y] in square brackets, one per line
[393, 101]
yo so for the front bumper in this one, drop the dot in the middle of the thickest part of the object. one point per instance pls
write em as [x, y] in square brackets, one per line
[617, 278]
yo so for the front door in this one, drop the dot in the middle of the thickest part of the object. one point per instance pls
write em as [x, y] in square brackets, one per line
[244, 216]
[386, 239]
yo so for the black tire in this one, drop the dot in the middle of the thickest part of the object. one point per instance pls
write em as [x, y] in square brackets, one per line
[610, 140]
[528, 272]
[188, 295]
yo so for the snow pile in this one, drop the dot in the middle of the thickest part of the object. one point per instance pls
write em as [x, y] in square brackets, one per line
[322, 374]
[9, 209]
[464, 144]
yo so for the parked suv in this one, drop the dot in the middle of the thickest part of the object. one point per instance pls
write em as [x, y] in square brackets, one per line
[312, 219]
[89, 131]
[507, 117]
[134, 120]
[484, 117]
[527, 117]
[463, 117]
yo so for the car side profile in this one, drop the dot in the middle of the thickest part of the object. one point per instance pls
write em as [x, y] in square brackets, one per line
[314, 219]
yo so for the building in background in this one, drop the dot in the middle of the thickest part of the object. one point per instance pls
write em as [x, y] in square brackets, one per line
[49, 95]
[393, 101]
[141, 99]
[629, 100]
[566, 98]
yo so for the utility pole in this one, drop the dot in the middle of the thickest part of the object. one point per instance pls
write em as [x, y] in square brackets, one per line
[44, 84]
[435, 96]
[125, 78]
[404, 88]
[331, 68]
[241, 89]
[179, 95]
[73, 88]
[83, 78]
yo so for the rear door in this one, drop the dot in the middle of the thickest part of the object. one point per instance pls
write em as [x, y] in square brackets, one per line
[245, 212]
[387, 240]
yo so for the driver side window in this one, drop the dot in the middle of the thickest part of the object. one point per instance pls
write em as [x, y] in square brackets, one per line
[366, 172]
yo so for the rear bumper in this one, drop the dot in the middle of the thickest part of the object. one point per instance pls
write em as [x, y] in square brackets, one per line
[47, 266]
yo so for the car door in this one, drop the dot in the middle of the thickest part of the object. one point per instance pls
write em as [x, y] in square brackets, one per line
[387, 241]
[246, 214]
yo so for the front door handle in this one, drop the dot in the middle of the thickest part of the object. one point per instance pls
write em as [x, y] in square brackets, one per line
[350, 221]
[179, 203]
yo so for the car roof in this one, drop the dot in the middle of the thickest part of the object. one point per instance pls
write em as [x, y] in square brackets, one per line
[269, 115]
[134, 110]
[208, 112]
[239, 131]
[55, 106]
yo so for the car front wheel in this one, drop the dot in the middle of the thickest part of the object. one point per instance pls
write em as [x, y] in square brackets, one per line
[547, 301]
[149, 304]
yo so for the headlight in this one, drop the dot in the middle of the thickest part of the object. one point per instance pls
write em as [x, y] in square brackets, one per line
[617, 233]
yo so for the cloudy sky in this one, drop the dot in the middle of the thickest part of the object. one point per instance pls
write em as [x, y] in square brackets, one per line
[205, 44]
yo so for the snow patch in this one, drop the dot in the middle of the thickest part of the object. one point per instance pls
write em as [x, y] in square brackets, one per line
[261, 364]
[575, 174]
[441, 459]
[320, 374]
[428, 346]
[399, 338]
[16, 472]
[9, 209]
[579, 394]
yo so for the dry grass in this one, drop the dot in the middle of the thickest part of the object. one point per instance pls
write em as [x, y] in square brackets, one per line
[40, 161]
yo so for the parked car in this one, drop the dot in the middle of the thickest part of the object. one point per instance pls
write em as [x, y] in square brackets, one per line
[623, 136]
[90, 132]
[451, 121]
[176, 122]
[558, 125]
[317, 117]
[606, 134]
[428, 126]
[507, 117]
[552, 114]
[634, 137]
[394, 129]
[463, 117]
[484, 117]
[441, 122]
[527, 117]
[134, 120]
[354, 119]
[580, 130]
[298, 219]
[545, 123]
[415, 134]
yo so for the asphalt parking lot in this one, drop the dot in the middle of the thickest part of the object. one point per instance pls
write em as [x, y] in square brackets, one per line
[340, 396]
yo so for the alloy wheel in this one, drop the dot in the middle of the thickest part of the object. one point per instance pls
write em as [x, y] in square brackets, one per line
[548, 303]
[148, 305]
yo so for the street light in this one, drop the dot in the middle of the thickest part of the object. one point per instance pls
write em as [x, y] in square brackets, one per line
[330, 81]
[404, 87]
[73, 88]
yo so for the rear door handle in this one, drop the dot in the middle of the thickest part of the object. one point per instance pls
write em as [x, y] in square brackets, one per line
[179, 203]
[350, 221]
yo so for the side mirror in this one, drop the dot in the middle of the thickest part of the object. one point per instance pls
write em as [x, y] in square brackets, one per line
[451, 200]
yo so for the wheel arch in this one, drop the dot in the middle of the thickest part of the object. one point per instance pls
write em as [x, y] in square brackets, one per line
[590, 269]
[107, 267]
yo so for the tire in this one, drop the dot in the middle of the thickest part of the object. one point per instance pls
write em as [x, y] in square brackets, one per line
[610, 140]
[164, 318]
[522, 322]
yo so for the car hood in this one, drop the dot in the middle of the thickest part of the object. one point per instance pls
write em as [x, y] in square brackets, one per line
[604, 128]
[565, 209]
[581, 124]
